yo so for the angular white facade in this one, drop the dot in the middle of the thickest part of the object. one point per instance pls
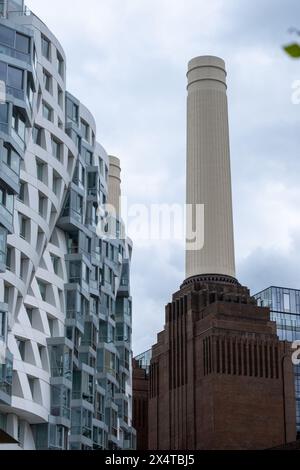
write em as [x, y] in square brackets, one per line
[208, 167]
[65, 304]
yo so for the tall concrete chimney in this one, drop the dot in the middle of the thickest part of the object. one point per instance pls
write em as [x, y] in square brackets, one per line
[114, 184]
[208, 167]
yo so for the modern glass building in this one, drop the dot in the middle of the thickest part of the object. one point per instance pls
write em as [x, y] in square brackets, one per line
[65, 305]
[144, 359]
[285, 311]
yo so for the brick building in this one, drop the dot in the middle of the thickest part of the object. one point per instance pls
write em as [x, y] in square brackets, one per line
[140, 384]
[219, 376]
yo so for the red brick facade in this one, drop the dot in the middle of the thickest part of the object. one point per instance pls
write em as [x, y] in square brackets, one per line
[219, 376]
[140, 386]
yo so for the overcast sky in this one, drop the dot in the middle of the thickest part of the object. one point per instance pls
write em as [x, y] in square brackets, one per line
[126, 61]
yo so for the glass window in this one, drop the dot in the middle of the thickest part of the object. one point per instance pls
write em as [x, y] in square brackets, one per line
[42, 205]
[21, 196]
[43, 290]
[30, 89]
[55, 263]
[3, 71]
[101, 166]
[4, 113]
[18, 124]
[47, 81]
[16, 5]
[56, 148]
[21, 345]
[60, 96]
[37, 135]
[46, 48]
[2, 325]
[3, 237]
[47, 111]
[60, 64]
[11, 159]
[56, 183]
[7, 36]
[75, 271]
[23, 227]
[286, 302]
[85, 273]
[15, 77]
[78, 203]
[89, 158]
[7, 200]
[72, 111]
[22, 43]
[85, 130]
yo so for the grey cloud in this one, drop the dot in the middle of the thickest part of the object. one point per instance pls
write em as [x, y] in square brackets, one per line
[127, 63]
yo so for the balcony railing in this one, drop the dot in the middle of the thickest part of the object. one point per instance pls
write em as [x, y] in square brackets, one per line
[61, 372]
[6, 387]
[75, 280]
[2, 257]
[61, 411]
[75, 315]
[4, 127]
[99, 416]
[11, 173]
[73, 250]
[82, 396]
[15, 54]
[18, 139]
[93, 192]
[89, 342]
[6, 215]
[86, 432]
[15, 92]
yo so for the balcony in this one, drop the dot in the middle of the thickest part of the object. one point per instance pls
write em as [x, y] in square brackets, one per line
[78, 395]
[61, 411]
[61, 372]
[87, 432]
[17, 139]
[93, 192]
[6, 379]
[99, 416]
[89, 342]
[10, 177]
[2, 257]
[5, 387]
[6, 216]
[15, 54]
[4, 128]
[15, 92]
[114, 432]
[76, 316]
[73, 250]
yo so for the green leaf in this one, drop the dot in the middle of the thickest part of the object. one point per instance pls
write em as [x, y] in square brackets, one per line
[293, 50]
